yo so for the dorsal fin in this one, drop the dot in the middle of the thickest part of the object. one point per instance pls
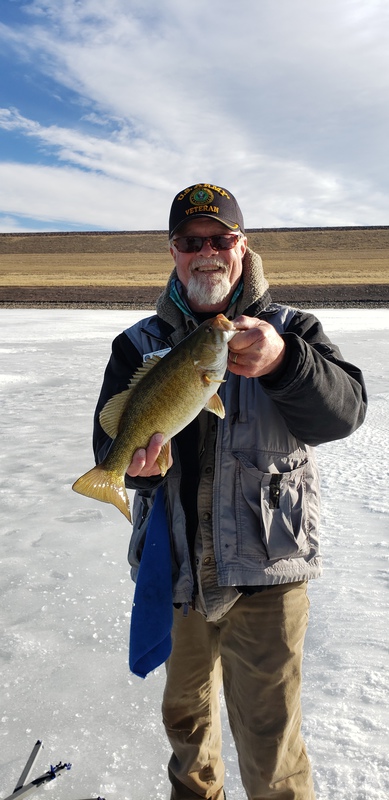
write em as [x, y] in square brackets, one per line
[143, 370]
[112, 412]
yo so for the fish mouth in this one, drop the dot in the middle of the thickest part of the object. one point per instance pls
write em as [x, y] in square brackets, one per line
[222, 323]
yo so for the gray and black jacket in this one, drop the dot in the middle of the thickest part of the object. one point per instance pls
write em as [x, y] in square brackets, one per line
[265, 502]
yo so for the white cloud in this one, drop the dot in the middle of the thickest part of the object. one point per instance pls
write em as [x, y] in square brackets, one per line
[9, 224]
[122, 157]
[281, 194]
[281, 101]
[66, 194]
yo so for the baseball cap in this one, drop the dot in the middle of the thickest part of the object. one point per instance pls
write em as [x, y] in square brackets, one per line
[205, 200]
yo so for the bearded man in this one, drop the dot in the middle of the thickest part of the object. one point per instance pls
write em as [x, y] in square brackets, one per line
[241, 501]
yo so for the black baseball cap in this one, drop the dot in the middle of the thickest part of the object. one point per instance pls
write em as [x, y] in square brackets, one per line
[204, 200]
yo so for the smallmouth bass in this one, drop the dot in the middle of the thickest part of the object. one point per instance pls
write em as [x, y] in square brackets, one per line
[163, 396]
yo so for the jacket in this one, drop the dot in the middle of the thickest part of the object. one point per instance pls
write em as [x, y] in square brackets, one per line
[264, 499]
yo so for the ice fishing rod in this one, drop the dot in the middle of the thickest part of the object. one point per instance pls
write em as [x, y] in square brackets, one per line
[23, 789]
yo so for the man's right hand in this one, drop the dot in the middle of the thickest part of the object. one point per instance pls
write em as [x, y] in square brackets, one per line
[144, 462]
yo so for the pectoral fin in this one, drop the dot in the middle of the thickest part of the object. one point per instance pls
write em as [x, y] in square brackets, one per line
[215, 405]
[209, 380]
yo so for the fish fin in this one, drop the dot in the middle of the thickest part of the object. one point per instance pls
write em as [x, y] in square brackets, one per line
[143, 370]
[106, 486]
[163, 458]
[112, 413]
[209, 380]
[215, 405]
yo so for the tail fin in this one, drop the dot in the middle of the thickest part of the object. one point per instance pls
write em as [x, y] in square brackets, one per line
[105, 486]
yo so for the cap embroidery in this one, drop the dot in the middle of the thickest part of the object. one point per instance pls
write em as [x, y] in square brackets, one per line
[203, 186]
[201, 197]
[208, 209]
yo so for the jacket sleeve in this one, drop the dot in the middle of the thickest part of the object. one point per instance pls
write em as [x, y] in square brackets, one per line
[124, 361]
[320, 396]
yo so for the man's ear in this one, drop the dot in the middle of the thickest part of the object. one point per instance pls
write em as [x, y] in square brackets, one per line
[243, 245]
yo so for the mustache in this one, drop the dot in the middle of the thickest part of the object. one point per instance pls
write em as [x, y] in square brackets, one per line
[200, 261]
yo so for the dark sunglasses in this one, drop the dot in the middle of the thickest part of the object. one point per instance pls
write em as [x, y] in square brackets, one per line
[219, 241]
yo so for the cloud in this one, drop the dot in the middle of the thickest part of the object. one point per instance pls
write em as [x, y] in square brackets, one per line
[10, 224]
[280, 101]
[65, 194]
[297, 196]
[122, 157]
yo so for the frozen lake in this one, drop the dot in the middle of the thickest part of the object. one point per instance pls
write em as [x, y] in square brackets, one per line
[66, 591]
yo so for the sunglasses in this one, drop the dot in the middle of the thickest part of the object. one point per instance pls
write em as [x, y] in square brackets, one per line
[219, 241]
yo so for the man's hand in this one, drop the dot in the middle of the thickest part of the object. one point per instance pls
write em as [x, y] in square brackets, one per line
[144, 462]
[257, 349]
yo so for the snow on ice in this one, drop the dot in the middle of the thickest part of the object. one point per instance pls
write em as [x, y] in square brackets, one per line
[66, 591]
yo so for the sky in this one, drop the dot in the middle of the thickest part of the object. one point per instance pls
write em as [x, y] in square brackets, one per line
[108, 109]
[66, 592]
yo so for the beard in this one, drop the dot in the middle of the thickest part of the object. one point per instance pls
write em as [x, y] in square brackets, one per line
[208, 288]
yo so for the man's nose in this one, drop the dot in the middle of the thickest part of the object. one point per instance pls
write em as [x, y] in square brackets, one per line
[207, 250]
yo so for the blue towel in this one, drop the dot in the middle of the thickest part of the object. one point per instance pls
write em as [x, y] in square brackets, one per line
[152, 611]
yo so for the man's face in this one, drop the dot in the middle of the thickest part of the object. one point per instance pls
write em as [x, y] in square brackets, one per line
[209, 277]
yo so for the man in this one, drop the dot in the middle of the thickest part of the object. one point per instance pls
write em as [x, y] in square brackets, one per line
[242, 500]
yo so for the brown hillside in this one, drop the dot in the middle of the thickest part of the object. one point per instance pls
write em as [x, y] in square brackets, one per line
[77, 268]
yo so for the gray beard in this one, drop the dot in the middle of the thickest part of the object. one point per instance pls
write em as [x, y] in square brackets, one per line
[208, 289]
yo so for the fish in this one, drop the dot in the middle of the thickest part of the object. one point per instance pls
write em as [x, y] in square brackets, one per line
[163, 396]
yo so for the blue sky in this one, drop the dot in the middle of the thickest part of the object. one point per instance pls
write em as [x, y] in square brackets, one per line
[107, 109]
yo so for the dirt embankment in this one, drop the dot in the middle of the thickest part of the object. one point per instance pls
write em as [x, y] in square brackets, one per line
[311, 267]
[363, 296]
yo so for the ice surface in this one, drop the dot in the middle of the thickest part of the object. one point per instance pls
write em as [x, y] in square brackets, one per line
[66, 591]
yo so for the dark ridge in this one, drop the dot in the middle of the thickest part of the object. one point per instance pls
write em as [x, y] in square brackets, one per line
[160, 232]
[319, 296]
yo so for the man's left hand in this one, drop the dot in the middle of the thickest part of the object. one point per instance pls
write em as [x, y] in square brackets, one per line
[257, 349]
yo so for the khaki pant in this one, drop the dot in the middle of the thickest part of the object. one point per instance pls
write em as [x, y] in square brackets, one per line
[255, 650]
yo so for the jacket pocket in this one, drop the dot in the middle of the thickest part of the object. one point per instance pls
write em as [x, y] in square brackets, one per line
[271, 511]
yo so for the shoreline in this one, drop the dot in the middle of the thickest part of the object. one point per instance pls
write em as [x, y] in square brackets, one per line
[141, 297]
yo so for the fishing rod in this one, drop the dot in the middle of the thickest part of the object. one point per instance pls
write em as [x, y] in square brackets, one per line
[23, 789]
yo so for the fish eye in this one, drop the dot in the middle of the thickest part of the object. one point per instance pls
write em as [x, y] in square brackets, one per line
[209, 329]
